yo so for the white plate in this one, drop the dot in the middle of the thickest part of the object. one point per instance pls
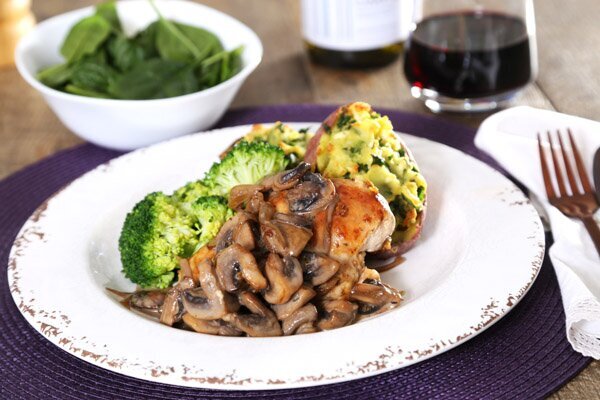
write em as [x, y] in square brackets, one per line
[481, 249]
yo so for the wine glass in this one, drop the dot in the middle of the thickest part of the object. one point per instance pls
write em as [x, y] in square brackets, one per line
[470, 55]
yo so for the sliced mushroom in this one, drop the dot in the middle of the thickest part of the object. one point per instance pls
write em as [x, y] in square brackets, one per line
[308, 327]
[337, 313]
[225, 236]
[212, 327]
[296, 237]
[242, 194]
[369, 273]
[235, 265]
[286, 179]
[301, 199]
[208, 301]
[253, 205]
[172, 308]
[321, 239]
[341, 284]
[265, 212]
[291, 215]
[148, 302]
[262, 321]
[318, 268]
[272, 238]
[293, 219]
[285, 278]
[253, 303]
[203, 254]
[123, 296]
[184, 269]
[316, 178]
[244, 235]
[300, 298]
[314, 193]
[304, 315]
[197, 303]
[283, 238]
[279, 201]
[328, 286]
[374, 297]
[255, 325]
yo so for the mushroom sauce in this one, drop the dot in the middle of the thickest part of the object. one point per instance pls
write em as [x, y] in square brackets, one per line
[290, 261]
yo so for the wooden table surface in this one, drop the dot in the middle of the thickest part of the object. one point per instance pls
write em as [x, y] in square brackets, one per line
[568, 40]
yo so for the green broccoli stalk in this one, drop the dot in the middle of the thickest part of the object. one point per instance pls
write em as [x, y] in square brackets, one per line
[154, 234]
[246, 163]
[210, 213]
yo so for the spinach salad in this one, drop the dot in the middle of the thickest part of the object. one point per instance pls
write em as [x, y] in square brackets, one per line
[166, 59]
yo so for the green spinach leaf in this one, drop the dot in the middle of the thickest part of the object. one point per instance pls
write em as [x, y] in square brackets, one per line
[155, 79]
[224, 70]
[91, 75]
[219, 67]
[146, 39]
[183, 82]
[55, 76]
[85, 92]
[85, 38]
[124, 53]
[173, 45]
[235, 61]
[100, 56]
[108, 11]
[231, 64]
[206, 42]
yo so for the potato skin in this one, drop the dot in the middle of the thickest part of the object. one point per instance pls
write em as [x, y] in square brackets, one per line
[399, 248]
[313, 145]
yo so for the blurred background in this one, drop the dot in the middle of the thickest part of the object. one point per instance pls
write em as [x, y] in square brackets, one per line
[568, 36]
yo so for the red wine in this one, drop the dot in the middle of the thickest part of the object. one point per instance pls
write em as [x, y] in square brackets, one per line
[469, 54]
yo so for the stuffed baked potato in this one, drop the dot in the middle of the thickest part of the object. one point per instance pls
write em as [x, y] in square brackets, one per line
[356, 142]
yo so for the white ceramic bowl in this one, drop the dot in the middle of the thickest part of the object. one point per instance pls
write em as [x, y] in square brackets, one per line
[130, 124]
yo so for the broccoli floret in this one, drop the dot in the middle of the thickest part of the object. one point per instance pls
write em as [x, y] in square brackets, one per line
[161, 228]
[246, 163]
[192, 191]
[154, 234]
[210, 213]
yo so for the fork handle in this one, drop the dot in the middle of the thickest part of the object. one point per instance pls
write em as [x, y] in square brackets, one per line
[592, 227]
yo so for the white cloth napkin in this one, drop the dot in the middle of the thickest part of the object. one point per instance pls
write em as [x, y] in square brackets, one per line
[510, 137]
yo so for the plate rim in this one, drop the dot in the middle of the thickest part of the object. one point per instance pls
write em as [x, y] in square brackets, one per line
[489, 316]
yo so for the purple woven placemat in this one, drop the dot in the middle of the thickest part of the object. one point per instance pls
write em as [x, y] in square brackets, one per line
[523, 356]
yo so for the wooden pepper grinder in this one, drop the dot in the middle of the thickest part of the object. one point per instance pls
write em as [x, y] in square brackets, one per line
[16, 19]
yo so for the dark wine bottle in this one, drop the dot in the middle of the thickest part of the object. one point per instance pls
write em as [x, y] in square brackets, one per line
[355, 33]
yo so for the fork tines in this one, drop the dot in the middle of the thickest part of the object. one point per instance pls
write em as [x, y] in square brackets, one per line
[559, 155]
[581, 203]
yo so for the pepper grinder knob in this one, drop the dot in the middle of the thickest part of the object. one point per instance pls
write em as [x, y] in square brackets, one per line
[16, 19]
